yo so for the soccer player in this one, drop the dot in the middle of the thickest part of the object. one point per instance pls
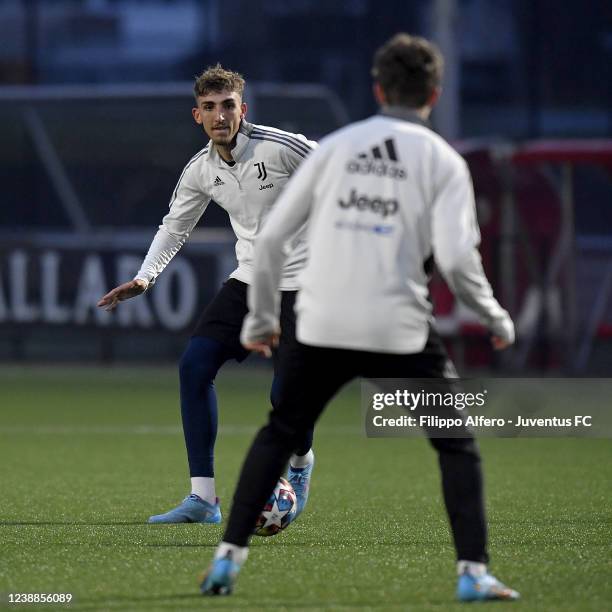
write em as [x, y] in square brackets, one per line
[243, 168]
[381, 197]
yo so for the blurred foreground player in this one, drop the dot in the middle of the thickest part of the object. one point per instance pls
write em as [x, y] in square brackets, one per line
[381, 197]
[243, 168]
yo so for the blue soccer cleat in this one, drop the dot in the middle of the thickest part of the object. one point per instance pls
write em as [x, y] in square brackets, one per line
[483, 588]
[220, 577]
[299, 479]
[193, 509]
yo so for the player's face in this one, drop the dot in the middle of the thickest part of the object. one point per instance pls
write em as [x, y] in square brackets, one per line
[220, 114]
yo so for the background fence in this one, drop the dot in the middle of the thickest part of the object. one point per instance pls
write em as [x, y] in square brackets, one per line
[95, 127]
[86, 180]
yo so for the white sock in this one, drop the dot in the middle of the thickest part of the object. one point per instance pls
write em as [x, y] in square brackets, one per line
[301, 461]
[473, 568]
[239, 553]
[204, 488]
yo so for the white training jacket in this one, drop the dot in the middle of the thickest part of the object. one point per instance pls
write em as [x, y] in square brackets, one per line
[265, 159]
[381, 197]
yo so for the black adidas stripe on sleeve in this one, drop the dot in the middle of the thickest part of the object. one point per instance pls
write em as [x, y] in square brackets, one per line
[288, 145]
[300, 144]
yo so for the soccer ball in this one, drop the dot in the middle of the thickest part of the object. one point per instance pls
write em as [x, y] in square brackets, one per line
[279, 511]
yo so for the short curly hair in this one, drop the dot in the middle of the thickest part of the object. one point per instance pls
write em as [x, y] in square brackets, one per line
[216, 79]
[409, 69]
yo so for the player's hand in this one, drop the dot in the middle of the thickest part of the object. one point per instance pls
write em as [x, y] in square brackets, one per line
[123, 292]
[263, 347]
[499, 344]
[502, 333]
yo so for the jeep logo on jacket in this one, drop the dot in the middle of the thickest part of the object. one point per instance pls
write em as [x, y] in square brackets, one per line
[375, 204]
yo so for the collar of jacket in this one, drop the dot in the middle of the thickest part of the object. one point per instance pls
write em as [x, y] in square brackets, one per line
[406, 114]
[242, 141]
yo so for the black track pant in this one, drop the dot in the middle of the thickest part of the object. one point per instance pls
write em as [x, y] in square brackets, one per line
[308, 378]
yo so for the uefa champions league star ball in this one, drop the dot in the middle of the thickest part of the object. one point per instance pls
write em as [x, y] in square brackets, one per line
[279, 511]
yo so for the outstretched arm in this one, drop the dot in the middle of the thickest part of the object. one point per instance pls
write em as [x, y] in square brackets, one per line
[186, 207]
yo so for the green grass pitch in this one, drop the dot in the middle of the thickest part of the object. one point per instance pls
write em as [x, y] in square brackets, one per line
[88, 454]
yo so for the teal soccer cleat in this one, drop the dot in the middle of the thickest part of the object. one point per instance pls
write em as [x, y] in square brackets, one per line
[483, 588]
[299, 479]
[220, 577]
[193, 509]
